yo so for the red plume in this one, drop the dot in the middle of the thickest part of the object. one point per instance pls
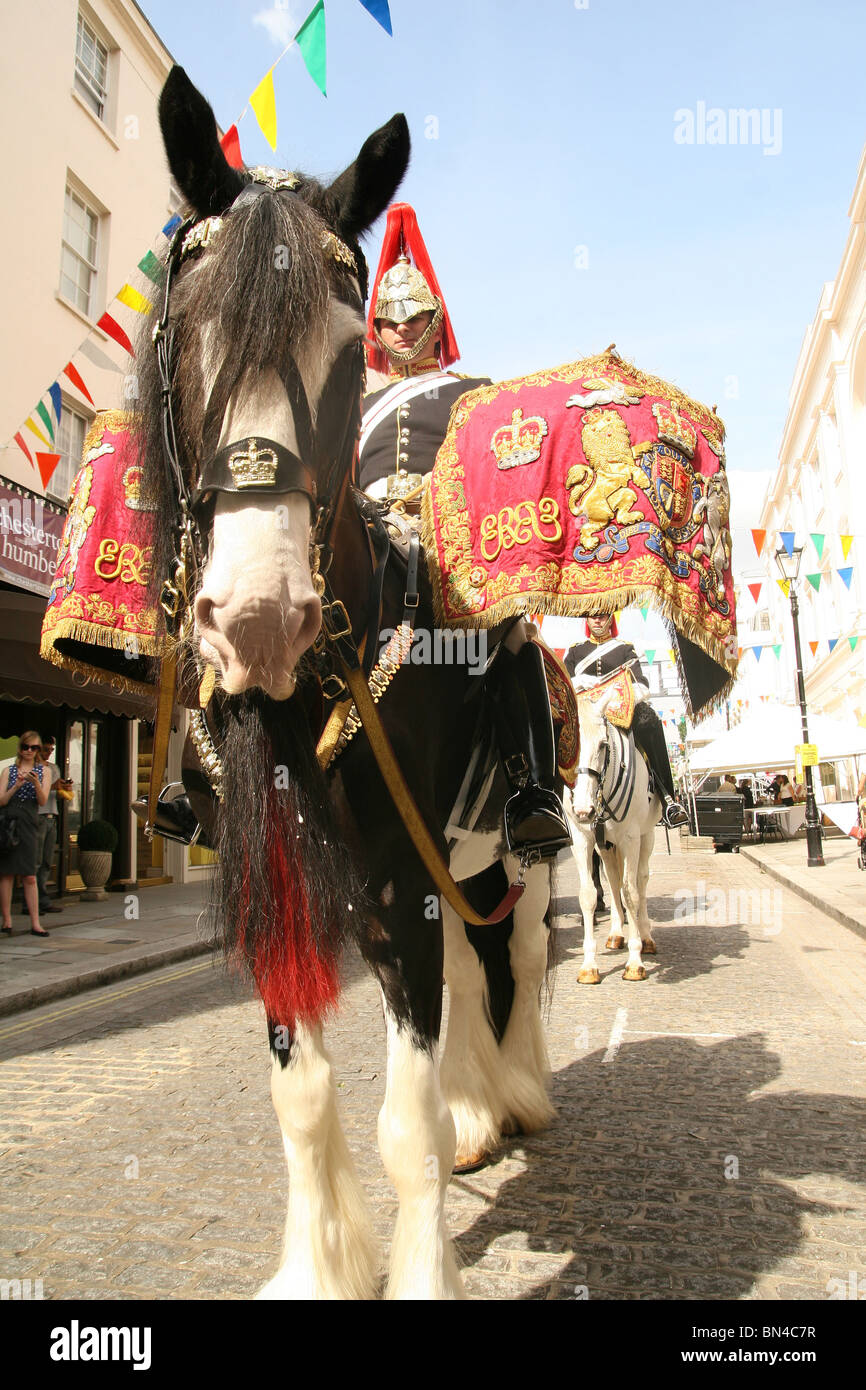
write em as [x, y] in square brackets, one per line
[402, 236]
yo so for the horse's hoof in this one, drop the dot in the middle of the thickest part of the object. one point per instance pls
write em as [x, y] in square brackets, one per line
[470, 1163]
[634, 972]
[589, 977]
[615, 943]
[649, 948]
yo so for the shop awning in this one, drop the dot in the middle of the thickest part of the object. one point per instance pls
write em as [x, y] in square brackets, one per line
[25, 676]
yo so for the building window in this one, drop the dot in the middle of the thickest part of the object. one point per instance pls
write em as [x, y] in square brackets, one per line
[91, 68]
[78, 262]
[70, 446]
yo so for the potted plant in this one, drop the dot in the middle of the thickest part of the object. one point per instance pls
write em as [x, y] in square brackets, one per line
[97, 841]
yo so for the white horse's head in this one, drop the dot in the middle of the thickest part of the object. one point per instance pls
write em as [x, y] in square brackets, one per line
[266, 325]
[592, 762]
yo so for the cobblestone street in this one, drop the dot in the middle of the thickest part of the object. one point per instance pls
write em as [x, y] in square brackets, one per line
[708, 1141]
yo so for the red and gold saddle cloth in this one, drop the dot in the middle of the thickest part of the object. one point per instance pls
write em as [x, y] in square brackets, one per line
[98, 620]
[584, 489]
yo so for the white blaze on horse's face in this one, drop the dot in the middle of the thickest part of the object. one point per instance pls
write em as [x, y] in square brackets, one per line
[593, 738]
[257, 612]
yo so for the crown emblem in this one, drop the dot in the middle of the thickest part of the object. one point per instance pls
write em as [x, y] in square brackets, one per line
[253, 467]
[131, 481]
[675, 429]
[520, 442]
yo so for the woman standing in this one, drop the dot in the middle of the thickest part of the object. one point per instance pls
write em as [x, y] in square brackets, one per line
[22, 790]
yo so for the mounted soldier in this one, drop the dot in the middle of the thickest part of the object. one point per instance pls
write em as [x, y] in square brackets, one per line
[592, 661]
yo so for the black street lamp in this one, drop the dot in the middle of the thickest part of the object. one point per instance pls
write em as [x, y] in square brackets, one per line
[789, 565]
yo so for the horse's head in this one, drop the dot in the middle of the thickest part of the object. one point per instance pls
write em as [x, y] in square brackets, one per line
[592, 732]
[262, 347]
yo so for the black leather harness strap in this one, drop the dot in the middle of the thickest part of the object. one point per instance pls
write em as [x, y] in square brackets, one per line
[255, 465]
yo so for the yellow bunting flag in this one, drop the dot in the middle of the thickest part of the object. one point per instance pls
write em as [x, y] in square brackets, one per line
[133, 300]
[39, 435]
[264, 107]
[785, 586]
[846, 545]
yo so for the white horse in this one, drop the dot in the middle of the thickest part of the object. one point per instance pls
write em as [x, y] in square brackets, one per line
[612, 789]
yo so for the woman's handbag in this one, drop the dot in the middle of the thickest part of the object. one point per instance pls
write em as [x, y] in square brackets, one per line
[10, 835]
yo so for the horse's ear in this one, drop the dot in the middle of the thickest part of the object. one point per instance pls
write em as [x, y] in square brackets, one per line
[364, 190]
[201, 170]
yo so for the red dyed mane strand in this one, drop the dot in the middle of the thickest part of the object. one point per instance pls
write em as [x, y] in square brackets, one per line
[403, 235]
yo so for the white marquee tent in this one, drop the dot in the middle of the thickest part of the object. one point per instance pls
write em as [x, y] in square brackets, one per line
[766, 741]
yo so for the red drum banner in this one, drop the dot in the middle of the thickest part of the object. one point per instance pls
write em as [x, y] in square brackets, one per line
[584, 489]
[97, 620]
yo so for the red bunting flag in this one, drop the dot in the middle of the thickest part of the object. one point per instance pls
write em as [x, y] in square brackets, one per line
[75, 378]
[47, 465]
[114, 330]
[231, 143]
[20, 442]
[759, 537]
[755, 590]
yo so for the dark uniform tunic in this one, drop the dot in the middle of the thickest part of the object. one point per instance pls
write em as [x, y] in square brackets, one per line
[411, 435]
[619, 654]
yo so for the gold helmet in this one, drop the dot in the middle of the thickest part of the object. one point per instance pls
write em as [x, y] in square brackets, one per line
[403, 293]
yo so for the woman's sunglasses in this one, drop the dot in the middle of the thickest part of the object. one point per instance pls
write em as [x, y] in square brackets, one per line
[30, 747]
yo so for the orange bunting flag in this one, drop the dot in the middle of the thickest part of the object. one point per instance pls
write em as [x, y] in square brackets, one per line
[785, 586]
[813, 646]
[133, 300]
[755, 590]
[75, 377]
[846, 545]
[47, 464]
[264, 107]
[759, 537]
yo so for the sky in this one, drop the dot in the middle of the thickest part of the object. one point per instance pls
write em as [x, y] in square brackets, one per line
[570, 191]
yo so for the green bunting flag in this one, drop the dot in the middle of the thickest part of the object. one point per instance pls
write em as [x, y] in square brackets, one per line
[151, 267]
[777, 650]
[42, 412]
[818, 542]
[310, 39]
[650, 655]
[853, 641]
[815, 581]
[645, 612]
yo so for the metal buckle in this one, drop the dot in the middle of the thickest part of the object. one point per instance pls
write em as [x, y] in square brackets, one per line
[337, 689]
[411, 600]
[327, 610]
[517, 766]
[528, 859]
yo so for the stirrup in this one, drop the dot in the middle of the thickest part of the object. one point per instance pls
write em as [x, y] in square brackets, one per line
[175, 818]
[674, 814]
[535, 821]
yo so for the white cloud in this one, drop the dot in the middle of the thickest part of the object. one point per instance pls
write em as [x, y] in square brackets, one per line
[282, 21]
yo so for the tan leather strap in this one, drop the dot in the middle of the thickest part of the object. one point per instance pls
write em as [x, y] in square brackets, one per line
[409, 813]
[161, 734]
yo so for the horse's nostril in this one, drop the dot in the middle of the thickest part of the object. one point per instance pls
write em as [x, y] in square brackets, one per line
[203, 609]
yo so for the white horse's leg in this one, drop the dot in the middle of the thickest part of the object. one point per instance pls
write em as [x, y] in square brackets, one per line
[582, 850]
[418, 1142]
[329, 1247]
[647, 844]
[471, 1063]
[612, 867]
[523, 1050]
[631, 848]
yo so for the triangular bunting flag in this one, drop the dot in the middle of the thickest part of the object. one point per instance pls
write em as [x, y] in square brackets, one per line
[814, 647]
[759, 537]
[785, 586]
[818, 542]
[20, 442]
[133, 300]
[740, 651]
[650, 655]
[831, 642]
[846, 545]
[787, 539]
[645, 612]
[264, 107]
[755, 590]
[56, 399]
[673, 656]
[172, 225]
[39, 435]
[114, 330]
[845, 575]
[47, 464]
[815, 581]
[231, 145]
[777, 650]
[379, 10]
[150, 266]
[98, 357]
[758, 652]
[310, 39]
[42, 412]
[75, 378]
[853, 642]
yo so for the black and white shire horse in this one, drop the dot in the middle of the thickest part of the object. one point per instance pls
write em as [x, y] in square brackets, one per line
[250, 411]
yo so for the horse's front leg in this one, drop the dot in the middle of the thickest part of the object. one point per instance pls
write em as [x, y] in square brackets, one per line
[612, 867]
[417, 1138]
[647, 846]
[329, 1249]
[581, 848]
[631, 851]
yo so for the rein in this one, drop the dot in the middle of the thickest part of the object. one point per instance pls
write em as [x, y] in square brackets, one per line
[257, 466]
